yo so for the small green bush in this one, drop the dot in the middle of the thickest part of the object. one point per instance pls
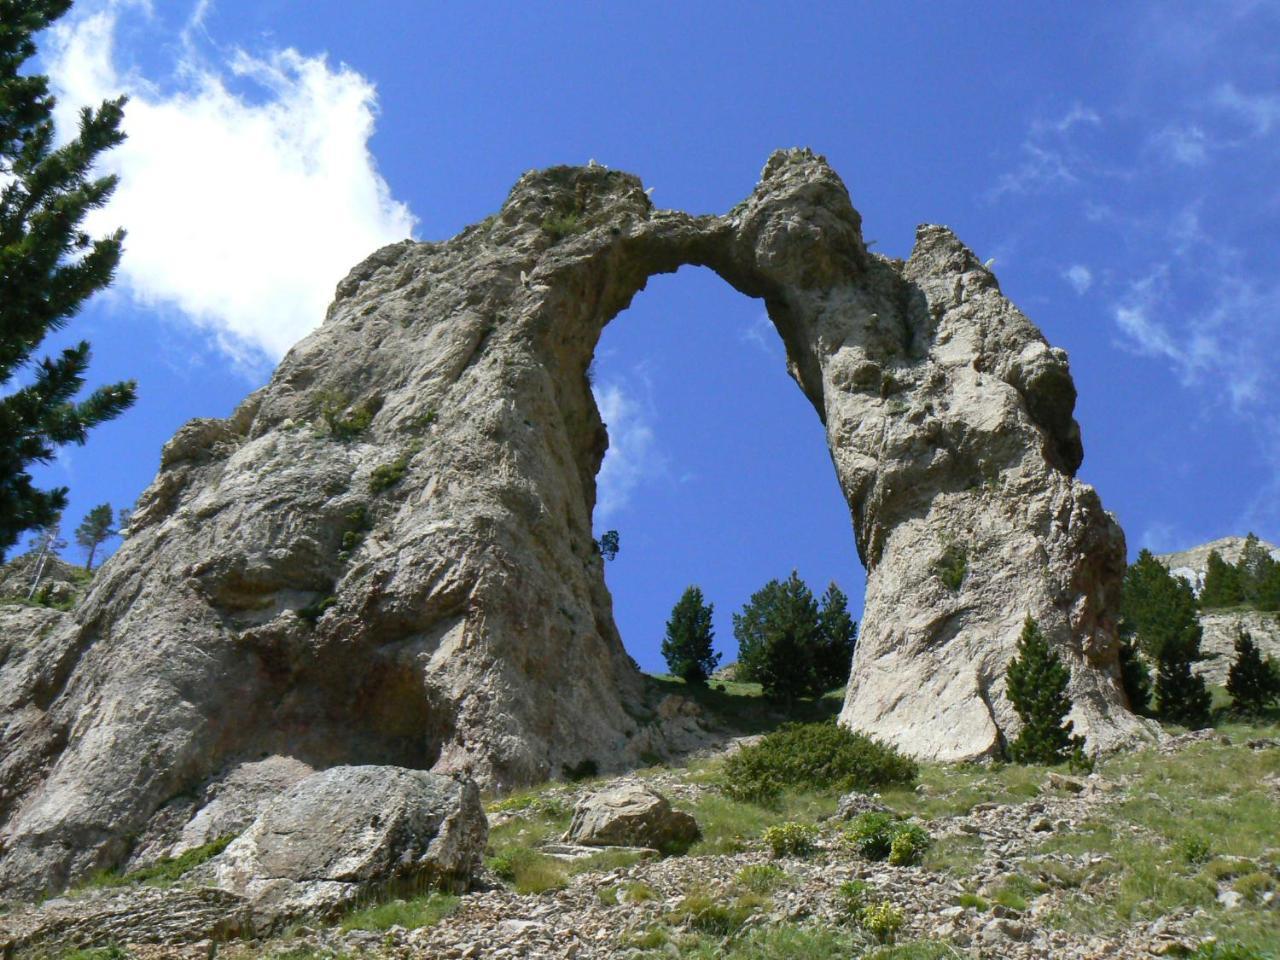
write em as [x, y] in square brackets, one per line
[871, 834]
[882, 920]
[714, 915]
[559, 226]
[909, 845]
[315, 610]
[760, 877]
[1194, 849]
[791, 839]
[881, 836]
[820, 756]
[953, 566]
[344, 420]
[387, 475]
[423, 911]
[852, 895]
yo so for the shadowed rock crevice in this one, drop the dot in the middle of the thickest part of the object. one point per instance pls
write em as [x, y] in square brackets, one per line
[386, 555]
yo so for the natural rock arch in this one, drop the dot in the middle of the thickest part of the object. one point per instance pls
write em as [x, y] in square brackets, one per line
[385, 555]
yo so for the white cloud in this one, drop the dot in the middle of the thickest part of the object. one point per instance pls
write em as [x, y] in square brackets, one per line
[242, 212]
[1184, 144]
[1049, 157]
[632, 456]
[1080, 277]
[1261, 111]
[762, 334]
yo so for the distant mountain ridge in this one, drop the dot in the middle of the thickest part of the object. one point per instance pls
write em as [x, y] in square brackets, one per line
[1191, 564]
[1222, 626]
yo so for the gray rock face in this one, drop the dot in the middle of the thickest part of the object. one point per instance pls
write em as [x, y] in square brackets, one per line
[630, 816]
[385, 555]
[348, 833]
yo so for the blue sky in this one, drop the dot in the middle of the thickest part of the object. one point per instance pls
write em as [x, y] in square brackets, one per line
[1119, 160]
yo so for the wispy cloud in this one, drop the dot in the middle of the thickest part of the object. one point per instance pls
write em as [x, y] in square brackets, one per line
[762, 335]
[1080, 277]
[633, 455]
[1185, 144]
[1048, 157]
[242, 210]
[1260, 111]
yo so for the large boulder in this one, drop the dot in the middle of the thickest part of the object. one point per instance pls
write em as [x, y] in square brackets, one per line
[632, 815]
[348, 834]
[386, 555]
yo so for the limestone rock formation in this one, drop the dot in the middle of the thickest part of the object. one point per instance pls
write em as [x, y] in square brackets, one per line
[385, 556]
[630, 816]
[347, 834]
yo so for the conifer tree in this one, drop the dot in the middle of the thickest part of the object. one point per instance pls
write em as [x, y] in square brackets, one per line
[48, 267]
[780, 639]
[1160, 609]
[1036, 685]
[1222, 587]
[1252, 682]
[1135, 678]
[837, 636]
[687, 646]
[94, 530]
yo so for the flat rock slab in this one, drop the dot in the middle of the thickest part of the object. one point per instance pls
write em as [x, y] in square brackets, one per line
[350, 833]
[125, 915]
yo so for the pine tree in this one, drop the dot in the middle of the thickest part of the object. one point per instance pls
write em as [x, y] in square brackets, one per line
[1259, 575]
[749, 631]
[837, 636]
[1251, 681]
[1135, 678]
[1160, 609]
[94, 530]
[687, 646]
[791, 637]
[48, 268]
[1036, 685]
[1222, 586]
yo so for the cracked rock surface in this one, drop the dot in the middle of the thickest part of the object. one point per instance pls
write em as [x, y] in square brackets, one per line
[385, 556]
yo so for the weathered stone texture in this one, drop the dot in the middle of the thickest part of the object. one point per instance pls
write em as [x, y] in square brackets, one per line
[630, 816]
[385, 555]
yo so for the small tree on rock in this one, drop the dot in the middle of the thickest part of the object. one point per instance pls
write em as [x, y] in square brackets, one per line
[1252, 682]
[1036, 685]
[687, 646]
[95, 530]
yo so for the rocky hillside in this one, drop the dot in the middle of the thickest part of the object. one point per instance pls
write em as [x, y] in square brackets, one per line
[1222, 626]
[1160, 852]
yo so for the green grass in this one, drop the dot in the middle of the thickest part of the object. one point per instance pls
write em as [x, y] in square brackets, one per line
[958, 854]
[781, 941]
[422, 911]
[165, 871]
[1155, 839]
[729, 826]
[742, 706]
[948, 790]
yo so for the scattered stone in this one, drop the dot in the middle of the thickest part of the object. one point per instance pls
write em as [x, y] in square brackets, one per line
[1230, 899]
[854, 804]
[1262, 743]
[1057, 781]
[630, 816]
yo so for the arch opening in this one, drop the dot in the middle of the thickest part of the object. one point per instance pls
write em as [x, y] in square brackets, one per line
[718, 474]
